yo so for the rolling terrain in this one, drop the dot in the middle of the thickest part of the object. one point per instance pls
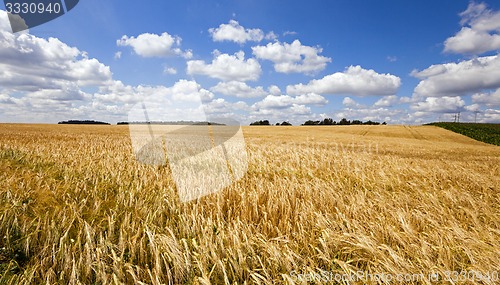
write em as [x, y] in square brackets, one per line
[488, 133]
[77, 208]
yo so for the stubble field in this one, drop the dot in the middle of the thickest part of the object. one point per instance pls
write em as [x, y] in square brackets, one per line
[317, 203]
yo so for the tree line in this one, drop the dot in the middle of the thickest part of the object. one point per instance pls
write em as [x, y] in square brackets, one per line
[82, 122]
[324, 122]
[266, 123]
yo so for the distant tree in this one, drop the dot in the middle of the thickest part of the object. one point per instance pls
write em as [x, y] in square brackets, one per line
[261, 123]
[285, 123]
[277, 124]
[384, 123]
[310, 123]
[327, 122]
[370, 122]
[82, 122]
[344, 121]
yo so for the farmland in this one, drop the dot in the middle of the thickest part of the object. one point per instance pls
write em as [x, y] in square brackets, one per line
[77, 208]
[488, 133]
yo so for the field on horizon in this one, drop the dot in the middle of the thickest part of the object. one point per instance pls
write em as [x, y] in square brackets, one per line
[488, 133]
[317, 203]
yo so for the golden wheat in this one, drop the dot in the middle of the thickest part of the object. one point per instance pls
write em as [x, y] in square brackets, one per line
[77, 208]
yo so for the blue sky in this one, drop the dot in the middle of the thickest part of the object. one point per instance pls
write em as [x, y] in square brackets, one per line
[404, 62]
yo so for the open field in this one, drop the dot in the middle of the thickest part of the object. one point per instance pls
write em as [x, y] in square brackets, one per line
[76, 208]
[488, 133]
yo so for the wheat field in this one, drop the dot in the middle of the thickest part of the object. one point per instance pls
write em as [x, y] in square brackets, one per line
[316, 203]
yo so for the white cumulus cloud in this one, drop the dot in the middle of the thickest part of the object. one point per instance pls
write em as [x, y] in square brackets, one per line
[354, 80]
[489, 99]
[294, 113]
[284, 101]
[444, 104]
[153, 45]
[388, 101]
[351, 103]
[182, 90]
[169, 70]
[189, 90]
[227, 67]
[45, 68]
[469, 76]
[310, 99]
[222, 107]
[233, 31]
[238, 89]
[274, 90]
[376, 114]
[481, 33]
[292, 58]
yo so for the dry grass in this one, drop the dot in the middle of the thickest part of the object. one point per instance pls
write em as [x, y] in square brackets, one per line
[76, 208]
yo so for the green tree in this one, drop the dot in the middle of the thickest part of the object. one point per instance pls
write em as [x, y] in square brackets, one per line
[344, 121]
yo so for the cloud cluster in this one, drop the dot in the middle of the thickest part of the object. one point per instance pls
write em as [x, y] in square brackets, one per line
[292, 58]
[388, 101]
[354, 80]
[152, 45]
[283, 101]
[351, 103]
[443, 87]
[169, 70]
[40, 78]
[234, 32]
[37, 75]
[219, 107]
[491, 99]
[444, 104]
[379, 114]
[481, 33]
[182, 90]
[469, 76]
[294, 113]
[280, 107]
[28, 63]
[238, 89]
[227, 67]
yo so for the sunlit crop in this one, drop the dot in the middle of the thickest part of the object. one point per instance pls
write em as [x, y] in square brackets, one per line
[77, 208]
